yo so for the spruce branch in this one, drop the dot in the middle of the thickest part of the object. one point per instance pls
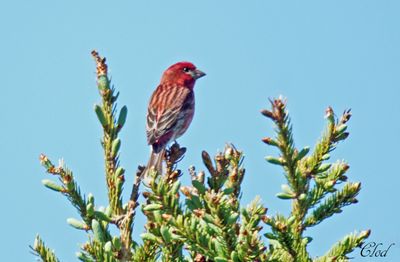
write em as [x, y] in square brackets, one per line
[69, 188]
[281, 232]
[249, 246]
[334, 132]
[298, 184]
[162, 203]
[214, 212]
[333, 204]
[218, 170]
[125, 222]
[325, 182]
[236, 170]
[339, 251]
[99, 250]
[145, 252]
[310, 181]
[107, 115]
[284, 139]
[39, 248]
[218, 204]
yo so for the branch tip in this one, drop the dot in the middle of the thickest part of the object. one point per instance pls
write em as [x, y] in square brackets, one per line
[101, 65]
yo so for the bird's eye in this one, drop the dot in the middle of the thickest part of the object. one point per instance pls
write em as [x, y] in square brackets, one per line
[186, 69]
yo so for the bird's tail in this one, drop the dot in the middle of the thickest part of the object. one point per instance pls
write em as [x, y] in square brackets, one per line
[155, 161]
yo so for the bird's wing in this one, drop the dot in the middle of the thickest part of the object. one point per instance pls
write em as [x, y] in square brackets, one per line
[165, 111]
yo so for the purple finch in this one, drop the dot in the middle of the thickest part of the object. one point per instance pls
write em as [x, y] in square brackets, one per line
[171, 109]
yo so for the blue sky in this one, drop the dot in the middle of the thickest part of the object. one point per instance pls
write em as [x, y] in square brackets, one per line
[343, 54]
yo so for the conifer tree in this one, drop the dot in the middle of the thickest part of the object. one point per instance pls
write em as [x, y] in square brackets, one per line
[205, 221]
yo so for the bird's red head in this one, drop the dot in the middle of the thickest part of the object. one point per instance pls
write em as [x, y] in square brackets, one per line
[182, 73]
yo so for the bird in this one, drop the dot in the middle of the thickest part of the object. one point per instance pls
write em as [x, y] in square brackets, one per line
[170, 110]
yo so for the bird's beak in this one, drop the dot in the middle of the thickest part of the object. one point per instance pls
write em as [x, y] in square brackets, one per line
[196, 74]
